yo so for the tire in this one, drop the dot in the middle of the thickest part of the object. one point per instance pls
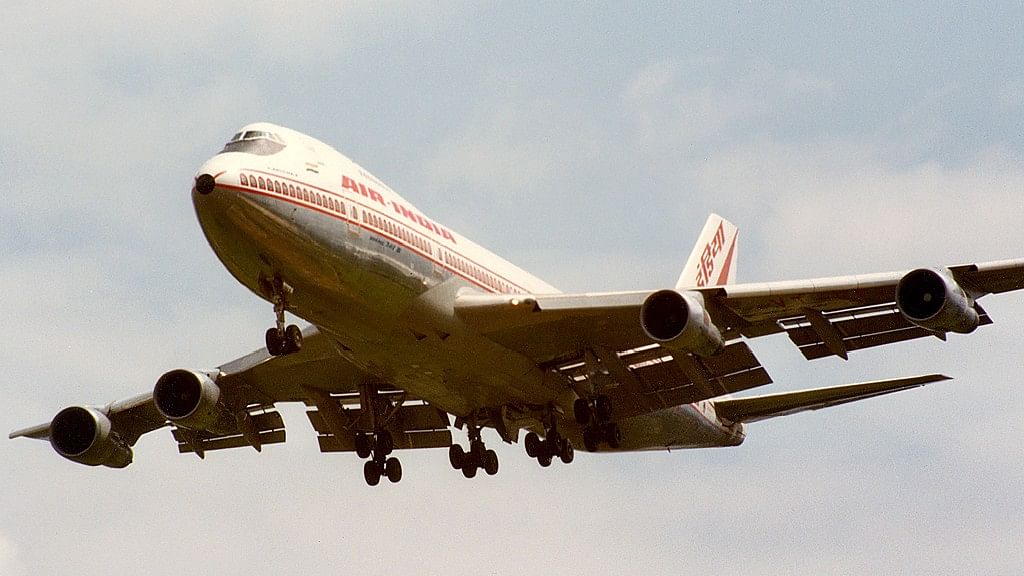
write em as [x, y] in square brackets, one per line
[469, 470]
[544, 460]
[363, 447]
[581, 410]
[567, 453]
[613, 436]
[371, 473]
[591, 440]
[393, 469]
[292, 339]
[491, 462]
[603, 408]
[533, 445]
[456, 456]
[274, 343]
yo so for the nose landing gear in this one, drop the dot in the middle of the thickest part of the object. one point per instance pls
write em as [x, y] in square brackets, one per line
[281, 339]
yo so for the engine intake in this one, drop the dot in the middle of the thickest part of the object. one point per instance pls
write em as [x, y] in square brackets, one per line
[86, 436]
[189, 399]
[678, 321]
[932, 299]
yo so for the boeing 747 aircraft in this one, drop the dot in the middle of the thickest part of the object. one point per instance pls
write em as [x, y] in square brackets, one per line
[415, 330]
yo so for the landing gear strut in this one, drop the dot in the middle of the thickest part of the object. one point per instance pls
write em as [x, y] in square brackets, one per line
[477, 457]
[379, 445]
[281, 339]
[595, 416]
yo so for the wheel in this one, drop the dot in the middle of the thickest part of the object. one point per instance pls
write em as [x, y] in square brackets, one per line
[532, 444]
[603, 408]
[292, 339]
[566, 454]
[275, 345]
[612, 435]
[456, 456]
[581, 410]
[469, 469]
[591, 439]
[385, 443]
[371, 472]
[393, 469]
[363, 447]
[544, 460]
[491, 462]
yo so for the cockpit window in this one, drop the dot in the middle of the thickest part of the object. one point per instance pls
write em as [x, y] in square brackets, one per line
[258, 142]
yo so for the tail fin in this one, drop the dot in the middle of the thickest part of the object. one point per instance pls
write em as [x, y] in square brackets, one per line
[713, 260]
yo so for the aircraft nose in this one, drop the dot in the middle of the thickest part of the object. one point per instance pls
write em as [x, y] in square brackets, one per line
[205, 184]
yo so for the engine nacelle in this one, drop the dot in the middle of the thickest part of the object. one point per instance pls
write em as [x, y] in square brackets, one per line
[932, 299]
[678, 321]
[85, 435]
[189, 400]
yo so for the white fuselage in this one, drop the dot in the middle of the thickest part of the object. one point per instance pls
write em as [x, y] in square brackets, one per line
[379, 277]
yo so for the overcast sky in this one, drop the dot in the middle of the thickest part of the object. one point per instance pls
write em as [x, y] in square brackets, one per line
[586, 144]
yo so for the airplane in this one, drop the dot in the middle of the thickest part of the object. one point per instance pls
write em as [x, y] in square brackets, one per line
[415, 330]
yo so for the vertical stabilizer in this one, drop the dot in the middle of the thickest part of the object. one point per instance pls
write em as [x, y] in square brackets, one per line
[713, 260]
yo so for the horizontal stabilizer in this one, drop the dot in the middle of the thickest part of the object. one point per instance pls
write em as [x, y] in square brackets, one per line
[757, 408]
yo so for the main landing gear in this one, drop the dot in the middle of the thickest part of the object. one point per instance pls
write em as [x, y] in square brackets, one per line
[378, 447]
[595, 416]
[281, 339]
[476, 458]
[553, 445]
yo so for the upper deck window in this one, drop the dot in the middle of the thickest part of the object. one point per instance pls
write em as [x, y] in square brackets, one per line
[258, 142]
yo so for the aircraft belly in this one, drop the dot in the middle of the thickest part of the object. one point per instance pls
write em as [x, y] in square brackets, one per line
[358, 287]
[677, 428]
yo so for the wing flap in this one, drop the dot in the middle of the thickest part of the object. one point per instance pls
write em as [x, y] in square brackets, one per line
[662, 379]
[253, 430]
[857, 329]
[757, 408]
[403, 441]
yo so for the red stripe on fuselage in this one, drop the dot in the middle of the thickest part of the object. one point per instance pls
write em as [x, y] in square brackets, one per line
[359, 224]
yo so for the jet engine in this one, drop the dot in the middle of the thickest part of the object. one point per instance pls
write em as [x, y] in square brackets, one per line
[932, 299]
[678, 321]
[189, 400]
[85, 435]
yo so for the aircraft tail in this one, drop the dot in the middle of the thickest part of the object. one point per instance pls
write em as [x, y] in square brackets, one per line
[713, 260]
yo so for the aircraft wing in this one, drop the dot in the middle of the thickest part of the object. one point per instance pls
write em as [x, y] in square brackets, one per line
[250, 386]
[584, 334]
[756, 408]
[132, 418]
[834, 316]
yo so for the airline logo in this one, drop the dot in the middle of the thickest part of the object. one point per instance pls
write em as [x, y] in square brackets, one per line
[707, 257]
[400, 209]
